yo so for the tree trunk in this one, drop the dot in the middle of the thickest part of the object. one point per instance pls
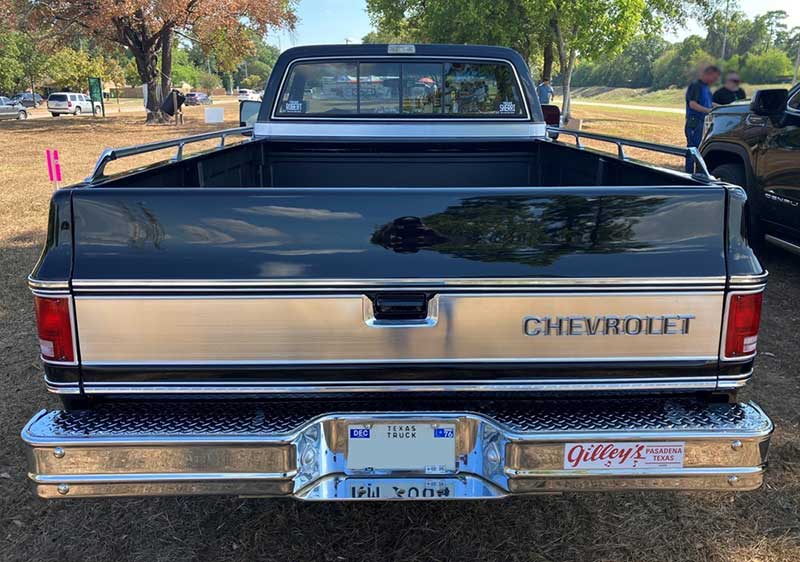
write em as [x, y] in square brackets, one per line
[166, 62]
[147, 65]
[547, 66]
[566, 84]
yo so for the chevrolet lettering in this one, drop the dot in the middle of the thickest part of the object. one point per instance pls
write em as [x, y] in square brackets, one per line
[368, 297]
[630, 325]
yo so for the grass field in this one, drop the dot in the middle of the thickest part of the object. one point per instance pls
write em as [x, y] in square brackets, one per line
[669, 97]
[761, 526]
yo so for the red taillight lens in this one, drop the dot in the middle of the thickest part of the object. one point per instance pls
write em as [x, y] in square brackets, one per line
[744, 317]
[55, 328]
[69, 104]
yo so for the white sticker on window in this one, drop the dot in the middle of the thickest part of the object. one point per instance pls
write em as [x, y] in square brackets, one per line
[507, 107]
[293, 107]
[604, 455]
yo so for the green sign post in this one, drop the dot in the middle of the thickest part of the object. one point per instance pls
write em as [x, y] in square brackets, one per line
[96, 93]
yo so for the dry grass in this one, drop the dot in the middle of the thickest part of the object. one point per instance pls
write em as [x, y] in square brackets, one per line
[761, 526]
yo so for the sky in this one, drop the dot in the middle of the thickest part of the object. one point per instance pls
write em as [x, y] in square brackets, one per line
[339, 21]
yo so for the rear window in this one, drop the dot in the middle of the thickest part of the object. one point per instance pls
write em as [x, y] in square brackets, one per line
[401, 89]
[57, 97]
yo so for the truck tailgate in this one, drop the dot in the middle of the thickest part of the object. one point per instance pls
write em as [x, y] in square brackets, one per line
[241, 287]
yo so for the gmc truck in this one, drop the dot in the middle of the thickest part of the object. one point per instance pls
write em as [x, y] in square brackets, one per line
[757, 146]
[398, 286]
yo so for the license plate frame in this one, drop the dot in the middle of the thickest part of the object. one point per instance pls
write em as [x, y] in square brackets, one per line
[401, 447]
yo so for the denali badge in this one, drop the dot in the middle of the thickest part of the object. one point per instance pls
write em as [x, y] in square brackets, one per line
[631, 325]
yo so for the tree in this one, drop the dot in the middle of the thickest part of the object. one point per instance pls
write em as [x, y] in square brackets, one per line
[183, 70]
[147, 27]
[770, 66]
[253, 82]
[681, 62]
[585, 29]
[71, 69]
[11, 69]
[208, 81]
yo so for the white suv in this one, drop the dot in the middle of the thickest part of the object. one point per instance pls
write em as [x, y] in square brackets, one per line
[245, 95]
[68, 102]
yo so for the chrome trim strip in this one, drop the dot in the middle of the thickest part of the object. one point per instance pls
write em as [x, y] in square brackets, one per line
[47, 285]
[155, 477]
[723, 337]
[405, 130]
[759, 279]
[388, 386]
[717, 282]
[781, 243]
[394, 59]
[62, 388]
[501, 361]
[732, 382]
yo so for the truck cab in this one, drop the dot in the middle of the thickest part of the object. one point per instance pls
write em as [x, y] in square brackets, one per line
[400, 286]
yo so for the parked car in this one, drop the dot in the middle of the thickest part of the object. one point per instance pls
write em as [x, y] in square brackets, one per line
[757, 146]
[245, 94]
[405, 297]
[28, 99]
[60, 103]
[198, 98]
[10, 109]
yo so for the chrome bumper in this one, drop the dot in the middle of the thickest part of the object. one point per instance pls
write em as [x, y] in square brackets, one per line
[299, 449]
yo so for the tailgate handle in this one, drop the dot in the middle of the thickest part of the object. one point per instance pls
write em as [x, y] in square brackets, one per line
[401, 309]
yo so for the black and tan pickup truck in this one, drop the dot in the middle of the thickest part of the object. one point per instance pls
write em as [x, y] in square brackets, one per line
[399, 286]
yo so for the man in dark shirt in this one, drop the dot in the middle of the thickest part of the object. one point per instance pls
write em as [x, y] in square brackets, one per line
[730, 91]
[698, 104]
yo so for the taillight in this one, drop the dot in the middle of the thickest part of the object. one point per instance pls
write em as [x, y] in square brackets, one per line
[69, 104]
[55, 328]
[741, 332]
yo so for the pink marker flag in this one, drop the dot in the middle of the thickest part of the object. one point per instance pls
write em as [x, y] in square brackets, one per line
[53, 165]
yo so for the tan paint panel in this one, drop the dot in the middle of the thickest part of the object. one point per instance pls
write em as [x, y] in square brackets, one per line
[335, 328]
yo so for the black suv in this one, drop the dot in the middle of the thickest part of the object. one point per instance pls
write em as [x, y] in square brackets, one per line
[757, 146]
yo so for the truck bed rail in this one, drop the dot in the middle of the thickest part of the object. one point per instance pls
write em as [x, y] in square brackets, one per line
[110, 154]
[687, 152]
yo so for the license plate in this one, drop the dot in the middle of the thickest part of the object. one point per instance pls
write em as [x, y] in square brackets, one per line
[400, 489]
[402, 446]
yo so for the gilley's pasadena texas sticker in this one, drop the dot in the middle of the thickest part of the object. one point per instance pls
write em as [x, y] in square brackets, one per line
[623, 455]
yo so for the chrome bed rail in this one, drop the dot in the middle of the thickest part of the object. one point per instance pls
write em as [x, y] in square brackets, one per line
[687, 152]
[110, 154]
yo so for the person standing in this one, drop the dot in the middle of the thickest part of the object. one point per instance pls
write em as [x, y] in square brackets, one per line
[731, 90]
[545, 91]
[698, 103]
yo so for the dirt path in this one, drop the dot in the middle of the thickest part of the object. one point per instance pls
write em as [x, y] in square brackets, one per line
[675, 110]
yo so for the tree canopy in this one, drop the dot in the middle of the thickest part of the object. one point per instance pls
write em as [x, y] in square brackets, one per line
[585, 30]
[147, 28]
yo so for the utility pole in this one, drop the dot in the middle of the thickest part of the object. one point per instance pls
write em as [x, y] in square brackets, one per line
[796, 64]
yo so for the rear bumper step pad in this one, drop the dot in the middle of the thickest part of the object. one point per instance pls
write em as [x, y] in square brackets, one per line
[300, 449]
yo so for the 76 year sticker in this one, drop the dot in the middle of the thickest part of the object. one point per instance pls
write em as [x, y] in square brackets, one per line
[607, 455]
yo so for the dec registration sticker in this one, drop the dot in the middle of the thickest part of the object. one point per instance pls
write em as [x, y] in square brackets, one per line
[417, 447]
[606, 455]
